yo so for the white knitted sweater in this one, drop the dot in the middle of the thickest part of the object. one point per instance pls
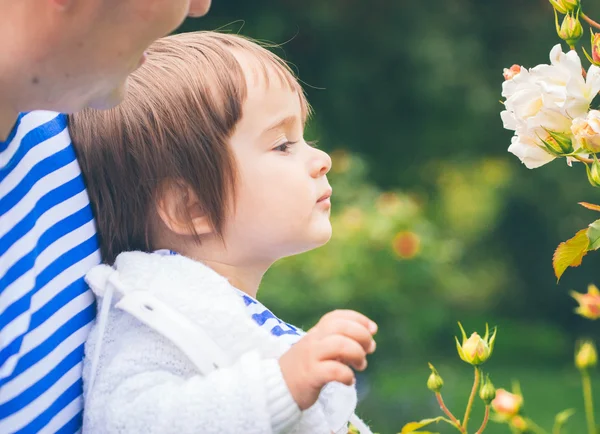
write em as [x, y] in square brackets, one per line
[146, 384]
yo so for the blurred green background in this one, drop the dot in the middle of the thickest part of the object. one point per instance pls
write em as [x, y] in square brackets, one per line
[434, 222]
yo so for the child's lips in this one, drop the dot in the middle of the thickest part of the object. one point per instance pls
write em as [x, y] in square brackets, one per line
[325, 199]
[326, 196]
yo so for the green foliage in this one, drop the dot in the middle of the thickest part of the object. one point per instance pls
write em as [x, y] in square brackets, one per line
[386, 258]
[593, 234]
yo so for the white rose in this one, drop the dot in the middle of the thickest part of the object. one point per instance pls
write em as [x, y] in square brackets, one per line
[587, 131]
[563, 82]
[544, 98]
[529, 151]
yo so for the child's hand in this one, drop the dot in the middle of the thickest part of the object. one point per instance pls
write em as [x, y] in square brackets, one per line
[341, 338]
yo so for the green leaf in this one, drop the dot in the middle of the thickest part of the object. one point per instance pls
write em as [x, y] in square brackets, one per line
[589, 58]
[420, 432]
[570, 253]
[593, 234]
[412, 427]
[561, 418]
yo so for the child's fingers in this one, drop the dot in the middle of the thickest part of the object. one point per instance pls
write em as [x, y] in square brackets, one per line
[330, 370]
[343, 349]
[350, 329]
[350, 315]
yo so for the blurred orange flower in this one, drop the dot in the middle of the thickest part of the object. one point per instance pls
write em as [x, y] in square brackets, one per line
[506, 403]
[589, 304]
[406, 245]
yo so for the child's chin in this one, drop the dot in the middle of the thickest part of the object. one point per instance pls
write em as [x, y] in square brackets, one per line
[316, 241]
[323, 236]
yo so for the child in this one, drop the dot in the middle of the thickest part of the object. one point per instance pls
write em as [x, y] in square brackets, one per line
[200, 181]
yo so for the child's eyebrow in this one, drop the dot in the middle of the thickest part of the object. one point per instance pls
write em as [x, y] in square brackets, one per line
[289, 120]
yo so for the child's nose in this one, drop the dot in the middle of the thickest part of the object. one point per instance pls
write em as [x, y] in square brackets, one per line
[321, 163]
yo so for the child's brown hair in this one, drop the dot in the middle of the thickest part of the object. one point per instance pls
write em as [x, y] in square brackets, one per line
[181, 108]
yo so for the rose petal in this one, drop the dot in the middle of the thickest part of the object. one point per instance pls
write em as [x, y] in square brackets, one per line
[530, 154]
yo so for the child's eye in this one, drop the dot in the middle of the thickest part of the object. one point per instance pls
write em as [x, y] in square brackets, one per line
[284, 147]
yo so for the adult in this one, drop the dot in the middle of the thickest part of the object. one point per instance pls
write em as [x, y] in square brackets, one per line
[59, 56]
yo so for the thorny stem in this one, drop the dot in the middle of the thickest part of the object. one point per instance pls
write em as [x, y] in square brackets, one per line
[471, 398]
[589, 20]
[440, 401]
[485, 420]
[583, 159]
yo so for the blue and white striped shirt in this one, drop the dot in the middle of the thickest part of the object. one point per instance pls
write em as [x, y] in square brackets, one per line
[47, 244]
[265, 319]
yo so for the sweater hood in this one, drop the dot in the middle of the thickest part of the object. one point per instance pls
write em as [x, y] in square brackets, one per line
[211, 303]
[194, 290]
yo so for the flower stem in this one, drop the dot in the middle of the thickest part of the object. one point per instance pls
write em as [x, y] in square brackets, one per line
[456, 422]
[471, 398]
[589, 20]
[583, 159]
[485, 420]
[556, 428]
[588, 401]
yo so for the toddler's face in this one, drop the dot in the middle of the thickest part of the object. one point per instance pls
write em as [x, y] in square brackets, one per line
[282, 202]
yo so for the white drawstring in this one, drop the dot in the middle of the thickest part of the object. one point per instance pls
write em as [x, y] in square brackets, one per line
[101, 327]
[194, 342]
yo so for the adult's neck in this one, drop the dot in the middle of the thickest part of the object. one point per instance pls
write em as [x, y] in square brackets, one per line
[12, 56]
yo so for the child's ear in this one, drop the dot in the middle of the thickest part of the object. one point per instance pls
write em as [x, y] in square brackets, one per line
[180, 209]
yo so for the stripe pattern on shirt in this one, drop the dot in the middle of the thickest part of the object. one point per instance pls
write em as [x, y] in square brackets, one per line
[267, 320]
[47, 244]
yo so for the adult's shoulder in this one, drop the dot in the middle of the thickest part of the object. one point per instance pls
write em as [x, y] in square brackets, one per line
[37, 118]
[31, 129]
